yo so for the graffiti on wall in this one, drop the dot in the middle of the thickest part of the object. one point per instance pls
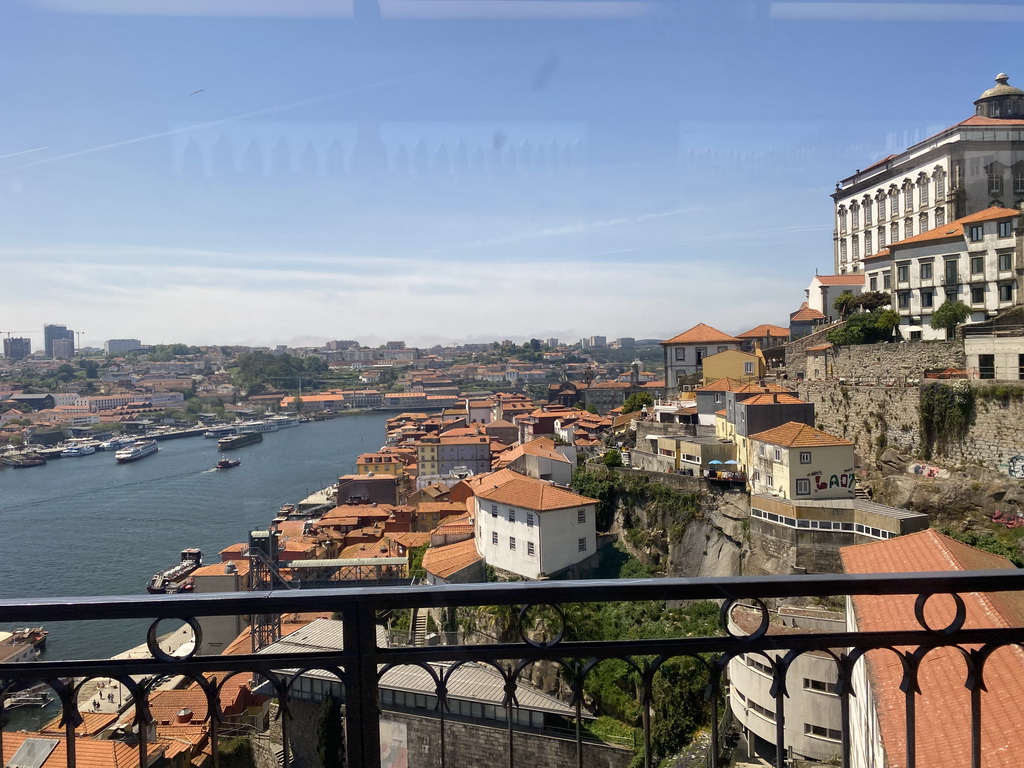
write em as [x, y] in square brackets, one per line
[927, 470]
[821, 482]
[1015, 467]
[394, 745]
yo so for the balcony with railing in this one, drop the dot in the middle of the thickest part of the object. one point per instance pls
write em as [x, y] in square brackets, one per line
[541, 639]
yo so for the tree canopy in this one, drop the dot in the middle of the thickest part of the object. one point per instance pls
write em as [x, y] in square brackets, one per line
[865, 328]
[949, 316]
[636, 401]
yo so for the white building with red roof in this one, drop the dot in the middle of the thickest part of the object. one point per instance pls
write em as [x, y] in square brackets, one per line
[974, 259]
[685, 353]
[973, 165]
[530, 527]
[878, 725]
[825, 289]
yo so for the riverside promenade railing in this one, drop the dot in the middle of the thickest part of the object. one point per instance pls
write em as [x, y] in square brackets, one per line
[361, 663]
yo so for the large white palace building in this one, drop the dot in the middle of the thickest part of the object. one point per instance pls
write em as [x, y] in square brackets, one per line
[976, 164]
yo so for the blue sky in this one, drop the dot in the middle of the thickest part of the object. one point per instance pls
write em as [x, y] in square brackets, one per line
[292, 171]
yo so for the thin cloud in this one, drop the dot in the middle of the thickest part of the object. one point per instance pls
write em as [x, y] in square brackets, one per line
[23, 152]
[944, 12]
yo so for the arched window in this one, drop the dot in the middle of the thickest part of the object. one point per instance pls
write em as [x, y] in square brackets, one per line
[1018, 179]
[940, 217]
[894, 202]
[940, 185]
[994, 172]
[908, 195]
[922, 190]
[842, 218]
[894, 232]
[922, 222]
[855, 214]
[881, 206]
[908, 227]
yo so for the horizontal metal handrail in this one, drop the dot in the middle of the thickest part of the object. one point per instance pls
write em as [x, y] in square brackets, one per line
[359, 663]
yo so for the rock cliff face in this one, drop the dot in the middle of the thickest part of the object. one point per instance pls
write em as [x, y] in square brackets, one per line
[966, 498]
[707, 541]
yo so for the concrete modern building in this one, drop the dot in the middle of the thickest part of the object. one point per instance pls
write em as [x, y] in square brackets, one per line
[17, 348]
[121, 346]
[973, 165]
[54, 333]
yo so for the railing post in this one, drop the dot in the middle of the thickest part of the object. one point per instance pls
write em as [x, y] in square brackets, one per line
[362, 716]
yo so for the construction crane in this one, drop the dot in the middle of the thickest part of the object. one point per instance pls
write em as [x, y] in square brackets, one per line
[78, 341]
[10, 332]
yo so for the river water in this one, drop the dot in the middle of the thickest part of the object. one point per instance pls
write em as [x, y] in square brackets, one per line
[89, 526]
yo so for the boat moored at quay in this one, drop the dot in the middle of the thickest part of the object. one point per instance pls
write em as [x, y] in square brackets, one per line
[78, 449]
[257, 426]
[238, 441]
[219, 432]
[177, 578]
[136, 451]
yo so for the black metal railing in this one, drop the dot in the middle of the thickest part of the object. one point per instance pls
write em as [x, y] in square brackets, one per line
[361, 663]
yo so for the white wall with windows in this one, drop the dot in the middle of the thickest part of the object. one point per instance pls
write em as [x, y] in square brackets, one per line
[531, 543]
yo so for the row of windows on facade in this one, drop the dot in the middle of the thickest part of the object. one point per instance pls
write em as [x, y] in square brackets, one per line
[762, 451]
[702, 352]
[975, 233]
[581, 516]
[977, 295]
[890, 201]
[531, 549]
[810, 684]
[810, 729]
[803, 485]
[822, 525]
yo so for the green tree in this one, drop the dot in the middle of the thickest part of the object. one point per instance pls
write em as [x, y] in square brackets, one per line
[873, 300]
[613, 458]
[636, 401]
[949, 316]
[329, 739]
[845, 304]
[865, 328]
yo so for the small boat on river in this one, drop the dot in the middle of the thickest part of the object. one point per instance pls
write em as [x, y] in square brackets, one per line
[226, 463]
[136, 451]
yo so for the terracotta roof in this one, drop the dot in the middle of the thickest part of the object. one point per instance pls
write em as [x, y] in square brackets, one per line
[775, 398]
[89, 752]
[721, 385]
[819, 348]
[943, 709]
[541, 446]
[990, 121]
[452, 558]
[764, 330]
[955, 229]
[700, 333]
[857, 279]
[804, 314]
[526, 492]
[720, 413]
[758, 389]
[796, 435]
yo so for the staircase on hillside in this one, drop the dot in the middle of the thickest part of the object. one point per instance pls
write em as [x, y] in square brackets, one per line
[419, 627]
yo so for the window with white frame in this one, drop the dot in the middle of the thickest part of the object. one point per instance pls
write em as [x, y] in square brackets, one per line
[894, 232]
[1018, 180]
[855, 215]
[977, 265]
[1005, 292]
[778, 454]
[805, 457]
[769, 481]
[902, 273]
[873, 283]
[926, 270]
[868, 250]
[881, 238]
[843, 251]
[922, 222]
[581, 545]
[748, 368]
[803, 487]
[908, 195]
[1005, 228]
[977, 294]
[757, 476]
[927, 299]
[1005, 262]
[680, 353]
[842, 219]
[940, 217]
[881, 207]
[908, 227]
[922, 190]
[855, 246]
[940, 184]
